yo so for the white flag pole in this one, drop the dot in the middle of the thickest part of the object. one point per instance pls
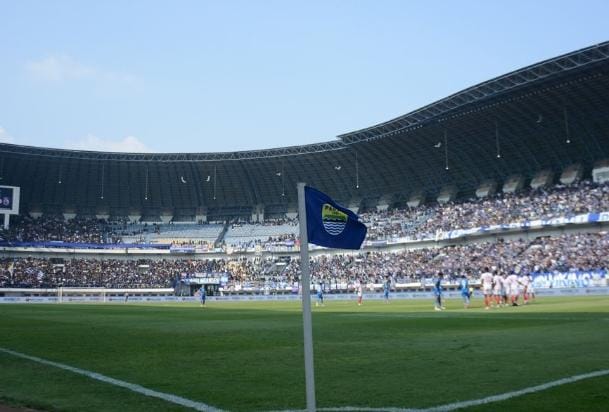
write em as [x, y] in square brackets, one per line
[305, 281]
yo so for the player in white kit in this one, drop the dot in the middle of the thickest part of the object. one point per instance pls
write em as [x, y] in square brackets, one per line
[486, 278]
[513, 288]
[531, 288]
[524, 281]
[498, 288]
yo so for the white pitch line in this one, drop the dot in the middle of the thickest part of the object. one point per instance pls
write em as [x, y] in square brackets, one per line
[474, 402]
[199, 406]
[509, 395]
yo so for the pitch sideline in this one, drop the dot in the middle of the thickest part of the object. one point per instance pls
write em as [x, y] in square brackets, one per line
[475, 402]
[482, 401]
[199, 406]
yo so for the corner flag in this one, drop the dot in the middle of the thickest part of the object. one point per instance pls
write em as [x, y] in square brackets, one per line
[331, 225]
[323, 222]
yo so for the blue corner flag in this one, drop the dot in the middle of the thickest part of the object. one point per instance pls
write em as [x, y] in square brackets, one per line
[331, 225]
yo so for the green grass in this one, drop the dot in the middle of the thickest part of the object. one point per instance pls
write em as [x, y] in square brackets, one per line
[248, 356]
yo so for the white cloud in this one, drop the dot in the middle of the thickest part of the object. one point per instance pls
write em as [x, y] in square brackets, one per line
[61, 68]
[5, 137]
[129, 144]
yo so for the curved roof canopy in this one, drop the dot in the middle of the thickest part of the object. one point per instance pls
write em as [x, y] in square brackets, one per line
[545, 116]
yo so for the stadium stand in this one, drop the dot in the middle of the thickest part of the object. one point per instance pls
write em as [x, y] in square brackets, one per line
[269, 232]
[570, 252]
[412, 223]
[177, 233]
[56, 228]
[542, 203]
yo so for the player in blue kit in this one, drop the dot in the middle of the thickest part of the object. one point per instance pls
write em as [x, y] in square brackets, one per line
[202, 295]
[386, 288]
[437, 290]
[320, 295]
[465, 293]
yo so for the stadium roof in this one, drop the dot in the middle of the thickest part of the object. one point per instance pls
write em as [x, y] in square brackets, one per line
[544, 116]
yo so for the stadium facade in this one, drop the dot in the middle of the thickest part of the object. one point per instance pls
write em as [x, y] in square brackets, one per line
[546, 116]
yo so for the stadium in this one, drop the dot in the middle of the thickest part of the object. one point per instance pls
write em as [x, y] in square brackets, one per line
[508, 176]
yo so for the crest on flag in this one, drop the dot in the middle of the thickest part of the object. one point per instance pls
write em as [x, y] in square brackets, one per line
[330, 224]
[334, 220]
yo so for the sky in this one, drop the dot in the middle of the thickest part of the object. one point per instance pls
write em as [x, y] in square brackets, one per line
[219, 76]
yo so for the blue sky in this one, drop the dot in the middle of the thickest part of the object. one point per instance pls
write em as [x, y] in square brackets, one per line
[210, 76]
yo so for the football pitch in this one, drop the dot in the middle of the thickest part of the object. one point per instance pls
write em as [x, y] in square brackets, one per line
[249, 356]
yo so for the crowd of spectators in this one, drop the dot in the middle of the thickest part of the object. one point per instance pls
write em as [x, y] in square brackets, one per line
[420, 222]
[542, 203]
[24, 228]
[108, 273]
[546, 254]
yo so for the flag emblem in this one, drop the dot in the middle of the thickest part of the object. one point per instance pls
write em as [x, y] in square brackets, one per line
[330, 224]
[334, 220]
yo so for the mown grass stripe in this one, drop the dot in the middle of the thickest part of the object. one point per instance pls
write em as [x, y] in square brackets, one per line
[514, 394]
[475, 402]
[199, 406]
